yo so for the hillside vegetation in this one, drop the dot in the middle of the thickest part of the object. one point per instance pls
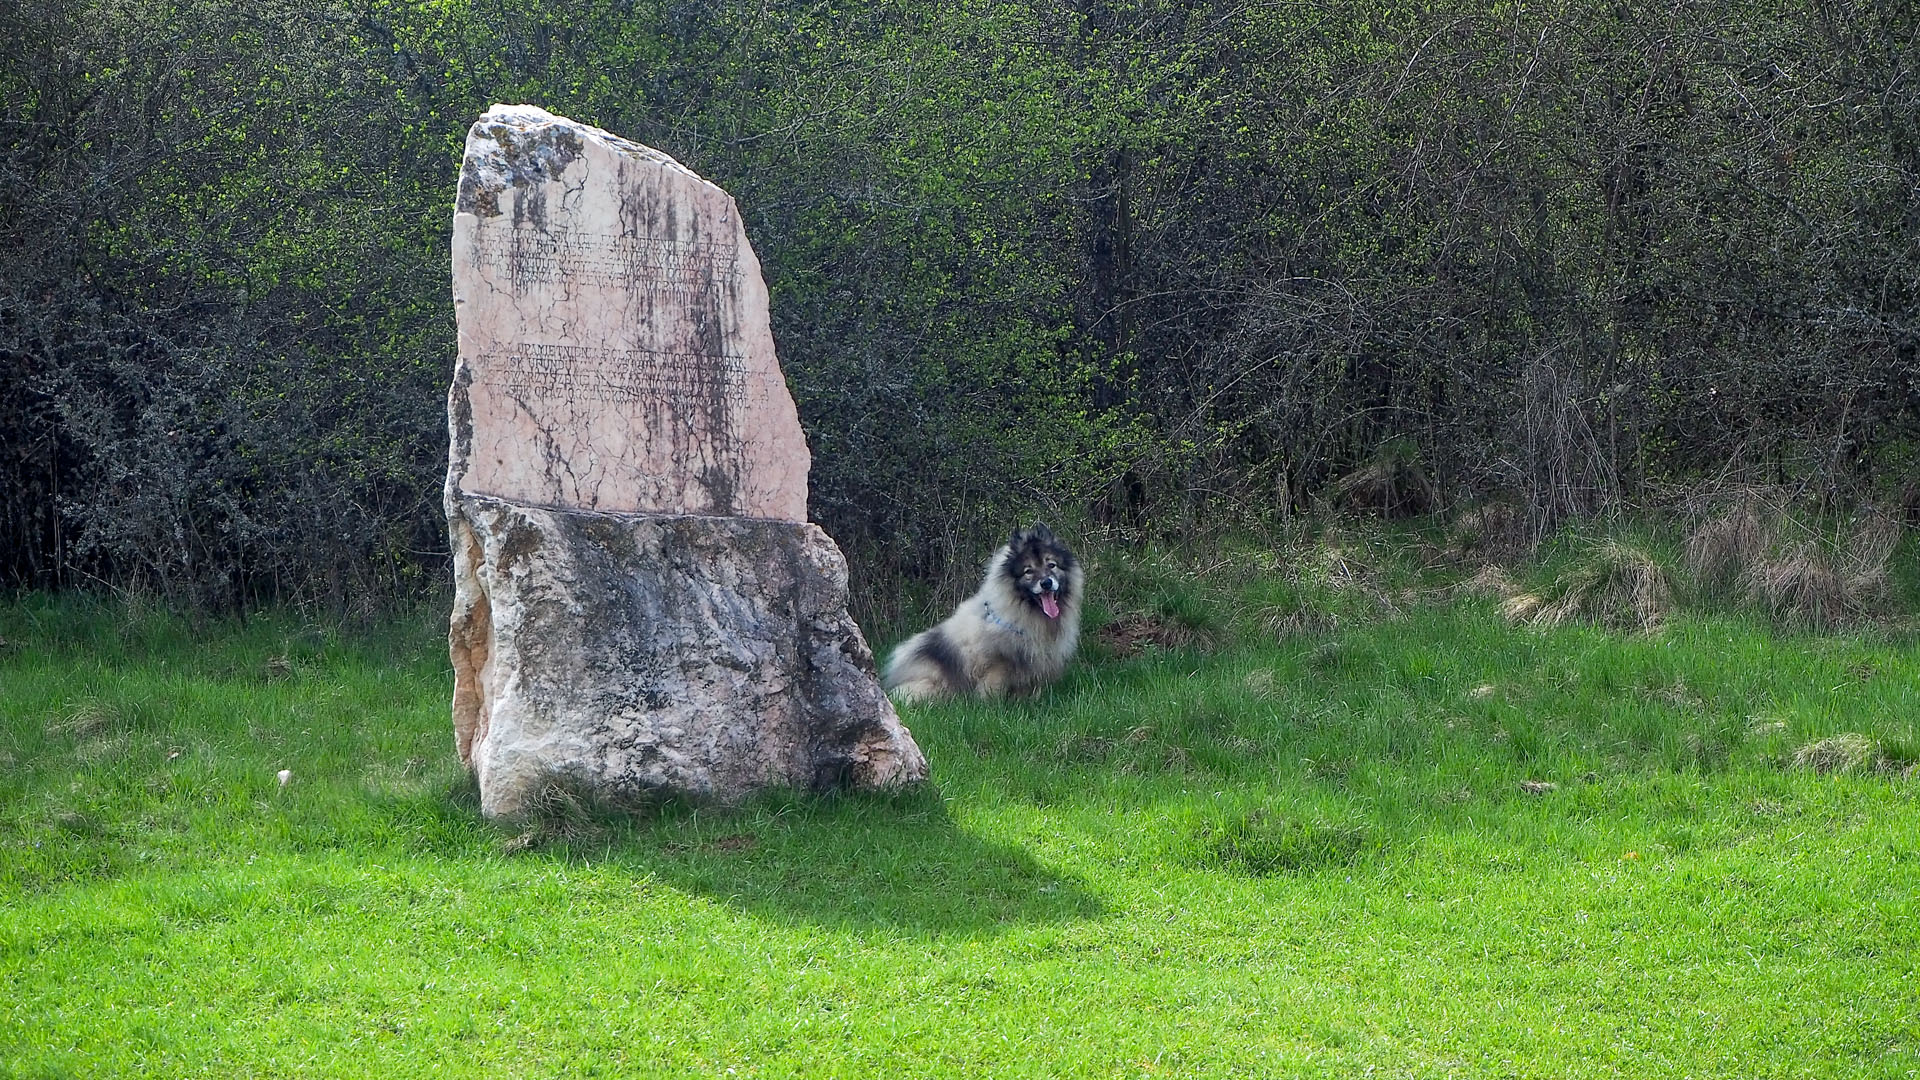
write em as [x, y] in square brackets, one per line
[1137, 263]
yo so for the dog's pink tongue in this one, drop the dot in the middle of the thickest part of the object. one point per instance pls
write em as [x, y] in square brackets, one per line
[1049, 605]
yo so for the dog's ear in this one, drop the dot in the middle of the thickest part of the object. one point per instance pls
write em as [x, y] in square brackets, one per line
[1040, 532]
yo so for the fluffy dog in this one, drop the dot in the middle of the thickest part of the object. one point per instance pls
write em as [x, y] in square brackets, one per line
[1012, 637]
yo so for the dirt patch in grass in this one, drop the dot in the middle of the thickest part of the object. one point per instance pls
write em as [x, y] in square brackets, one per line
[1136, 632]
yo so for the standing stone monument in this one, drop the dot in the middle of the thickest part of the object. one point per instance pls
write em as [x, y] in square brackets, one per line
[641, 608]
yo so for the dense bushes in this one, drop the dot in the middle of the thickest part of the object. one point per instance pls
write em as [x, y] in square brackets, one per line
[1136, 261]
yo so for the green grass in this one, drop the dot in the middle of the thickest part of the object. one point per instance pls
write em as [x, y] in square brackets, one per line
[1300, 847]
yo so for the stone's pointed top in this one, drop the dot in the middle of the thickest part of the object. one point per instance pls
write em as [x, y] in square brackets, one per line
[527, 142]
[615, 348]
[529, 118]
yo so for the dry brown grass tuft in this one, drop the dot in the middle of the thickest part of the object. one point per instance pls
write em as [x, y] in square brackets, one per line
[1335, 565]
[88, 718]
[1283, 623]
[1488, 581]
[1522, 607]
[1871, 542]
[1338, 566]
[1494, 529]
[1801, 585]
[1720, 549]
[1844, 753]
[561, 812]
[1826, 584]
[1393, 484]
[1617, 585]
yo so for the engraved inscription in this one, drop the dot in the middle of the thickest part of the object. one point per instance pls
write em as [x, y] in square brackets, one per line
[619, 376]
[611, 260]
[615, 349]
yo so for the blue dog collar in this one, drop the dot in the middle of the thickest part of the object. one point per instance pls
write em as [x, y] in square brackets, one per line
[994, 617]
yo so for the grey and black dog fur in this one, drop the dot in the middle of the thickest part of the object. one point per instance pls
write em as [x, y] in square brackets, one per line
[1012, 637]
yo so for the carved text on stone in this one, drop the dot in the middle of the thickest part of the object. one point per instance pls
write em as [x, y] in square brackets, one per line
[640, 264]
[586, 373]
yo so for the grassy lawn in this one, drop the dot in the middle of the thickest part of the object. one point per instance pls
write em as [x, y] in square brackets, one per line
[1400, 838]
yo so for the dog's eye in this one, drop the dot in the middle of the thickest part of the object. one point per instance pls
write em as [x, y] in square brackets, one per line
[1051, 565]
[1026, 571]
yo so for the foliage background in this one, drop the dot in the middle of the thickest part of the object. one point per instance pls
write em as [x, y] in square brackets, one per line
[1134, 263]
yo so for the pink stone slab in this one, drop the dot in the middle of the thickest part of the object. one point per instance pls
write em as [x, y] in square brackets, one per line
[615, 348]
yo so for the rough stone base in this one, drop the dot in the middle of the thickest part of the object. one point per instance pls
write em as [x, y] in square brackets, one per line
[637, 656]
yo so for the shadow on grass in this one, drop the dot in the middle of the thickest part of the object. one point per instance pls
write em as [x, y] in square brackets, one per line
[860, 862]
